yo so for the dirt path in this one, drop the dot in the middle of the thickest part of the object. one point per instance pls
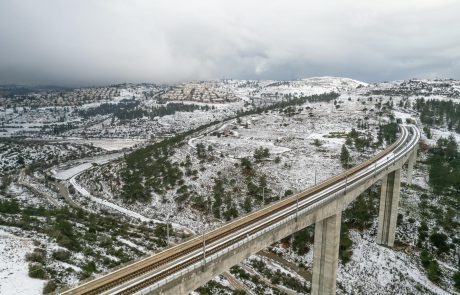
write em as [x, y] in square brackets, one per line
[268, 282]
[287, 264]
[26, 184]
[235, 283]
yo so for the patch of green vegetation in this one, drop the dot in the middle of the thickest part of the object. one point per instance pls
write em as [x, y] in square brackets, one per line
[444, 171]
[456, 279]
[345, 245]
[301, 239]
[388, 132]
[438, 231]
[261, 286]
[213, 287]
[150, 169]
[261, 153]
[130, 109]
[37, 271]
[344, 157]
[75, 230]
[38, 256]
[61, 255]
[9, 206]
[363, 210]
[438, 113]
[50, 287]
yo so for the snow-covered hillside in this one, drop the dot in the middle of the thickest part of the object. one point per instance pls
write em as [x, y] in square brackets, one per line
[114, 165]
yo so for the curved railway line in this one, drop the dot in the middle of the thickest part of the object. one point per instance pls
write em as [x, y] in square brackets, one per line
[158, 267]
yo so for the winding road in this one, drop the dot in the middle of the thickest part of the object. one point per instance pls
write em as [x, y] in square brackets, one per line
[185, 261]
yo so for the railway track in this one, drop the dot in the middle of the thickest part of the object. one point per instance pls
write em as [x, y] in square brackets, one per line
[137, 276]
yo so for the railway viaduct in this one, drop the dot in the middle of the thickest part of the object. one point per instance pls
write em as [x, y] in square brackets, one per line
[187, 266]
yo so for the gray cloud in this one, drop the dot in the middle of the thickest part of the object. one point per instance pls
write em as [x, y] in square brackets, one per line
[99, 42]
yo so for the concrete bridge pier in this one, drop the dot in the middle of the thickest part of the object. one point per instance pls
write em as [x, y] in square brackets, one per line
[388, 212]
[326, 254]
[410, 165]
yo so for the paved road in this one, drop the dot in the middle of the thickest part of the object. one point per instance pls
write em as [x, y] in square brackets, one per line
[64, 192]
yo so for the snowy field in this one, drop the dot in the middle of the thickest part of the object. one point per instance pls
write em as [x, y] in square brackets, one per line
[375, 269]
[14, 278]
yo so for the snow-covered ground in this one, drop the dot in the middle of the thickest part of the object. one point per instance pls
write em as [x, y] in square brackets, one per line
[375, 269]
[72, 173]
[116, 207]
[292, 139]
[304, 146]
[14, 278]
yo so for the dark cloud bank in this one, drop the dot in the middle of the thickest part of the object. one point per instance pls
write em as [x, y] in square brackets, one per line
[92, 42]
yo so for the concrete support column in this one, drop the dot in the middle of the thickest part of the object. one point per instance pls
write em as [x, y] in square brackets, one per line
[325, 255]
[410, 165]
[388, 212]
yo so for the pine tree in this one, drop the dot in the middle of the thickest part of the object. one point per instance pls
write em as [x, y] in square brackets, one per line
[344, 156]
[247, 206]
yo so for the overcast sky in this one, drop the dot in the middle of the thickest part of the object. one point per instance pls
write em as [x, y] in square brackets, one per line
[94, 42]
